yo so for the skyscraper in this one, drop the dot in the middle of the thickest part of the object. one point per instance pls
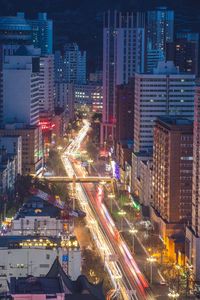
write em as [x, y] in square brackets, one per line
[42, 33]
[123, 55]
[19, 30]
[160, 30]
[21, 87]
[172, 169]
[46, 89]
[184, 51]
[74, 64]
[15, 30]
[163, 92]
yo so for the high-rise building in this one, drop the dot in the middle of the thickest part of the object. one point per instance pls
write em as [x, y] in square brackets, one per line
[125, 111]
[184, 51]
[19, 30]
[21, 87]
[46, 89]
[193, 232]
[166, 91]
[42, 33]
[15, 30]
[58, 66]
[160, 30]
[74, 68]
[172, 169]
[123, 55]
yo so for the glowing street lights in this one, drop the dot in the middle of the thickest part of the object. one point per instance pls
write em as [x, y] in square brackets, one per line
[121, 213]
[133, 231]
[151, 260]
[173, 295]
[111, 197]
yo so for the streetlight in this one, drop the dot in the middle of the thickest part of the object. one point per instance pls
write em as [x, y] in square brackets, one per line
[173, 295]
[111, 197]
[121, 213]
[151, 260]
[133, 231]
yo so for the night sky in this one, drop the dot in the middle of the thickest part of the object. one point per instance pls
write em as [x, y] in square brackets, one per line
[81, 20]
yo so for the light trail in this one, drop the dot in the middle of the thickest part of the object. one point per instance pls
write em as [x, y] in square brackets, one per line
[124, 272]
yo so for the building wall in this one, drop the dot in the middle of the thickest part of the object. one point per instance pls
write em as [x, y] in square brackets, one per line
[36, 261]
[46, 89]
[123, 54]
[20, 90]
[157, 95]
[32, 148]
[172, 171]
[13, 145]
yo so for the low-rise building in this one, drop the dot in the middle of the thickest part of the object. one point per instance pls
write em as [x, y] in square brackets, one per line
[38, 217]
[22, 256]
[13, 146]
[8, 173]
[142, 177]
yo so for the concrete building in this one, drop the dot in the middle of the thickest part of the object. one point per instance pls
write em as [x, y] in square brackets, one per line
[64, 98]
[125, 111]
[42, 33]
[172, 181]
[164, 92]
[53, 285]
[21, 87]
[46, 86]
[32, 148]
[172, 169]
[37, 217]
[74, 69]
[193, 232]
[15, 30]
[184, 51]
[13, 146]
[123, 55]
[141, 178]
[8, 173]
[160, 30]
[70, 66]
[22, 256]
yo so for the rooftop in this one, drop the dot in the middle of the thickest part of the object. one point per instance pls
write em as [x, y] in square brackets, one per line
[14, 242]
[36, 207]
[36, 285]
[175, 120]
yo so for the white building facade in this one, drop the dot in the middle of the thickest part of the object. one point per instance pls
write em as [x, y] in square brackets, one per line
[23, 256]
[21, 87]
[123, 55]
[164, 92]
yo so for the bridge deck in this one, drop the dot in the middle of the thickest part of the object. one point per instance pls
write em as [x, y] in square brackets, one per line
[76, 179]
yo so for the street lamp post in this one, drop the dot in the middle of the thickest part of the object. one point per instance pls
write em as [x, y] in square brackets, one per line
[133, 231]
[121, 213]
[151, 260]
[111, 197]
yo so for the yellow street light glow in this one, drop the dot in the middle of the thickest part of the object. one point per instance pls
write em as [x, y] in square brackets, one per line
[111, 196]
[133, 231]
[121, 213]
[151, 259]
[173, 295]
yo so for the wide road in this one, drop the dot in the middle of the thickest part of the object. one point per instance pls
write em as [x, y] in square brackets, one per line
[124, 272]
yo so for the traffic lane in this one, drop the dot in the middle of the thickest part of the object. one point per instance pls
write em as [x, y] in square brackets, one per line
[141, 293]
